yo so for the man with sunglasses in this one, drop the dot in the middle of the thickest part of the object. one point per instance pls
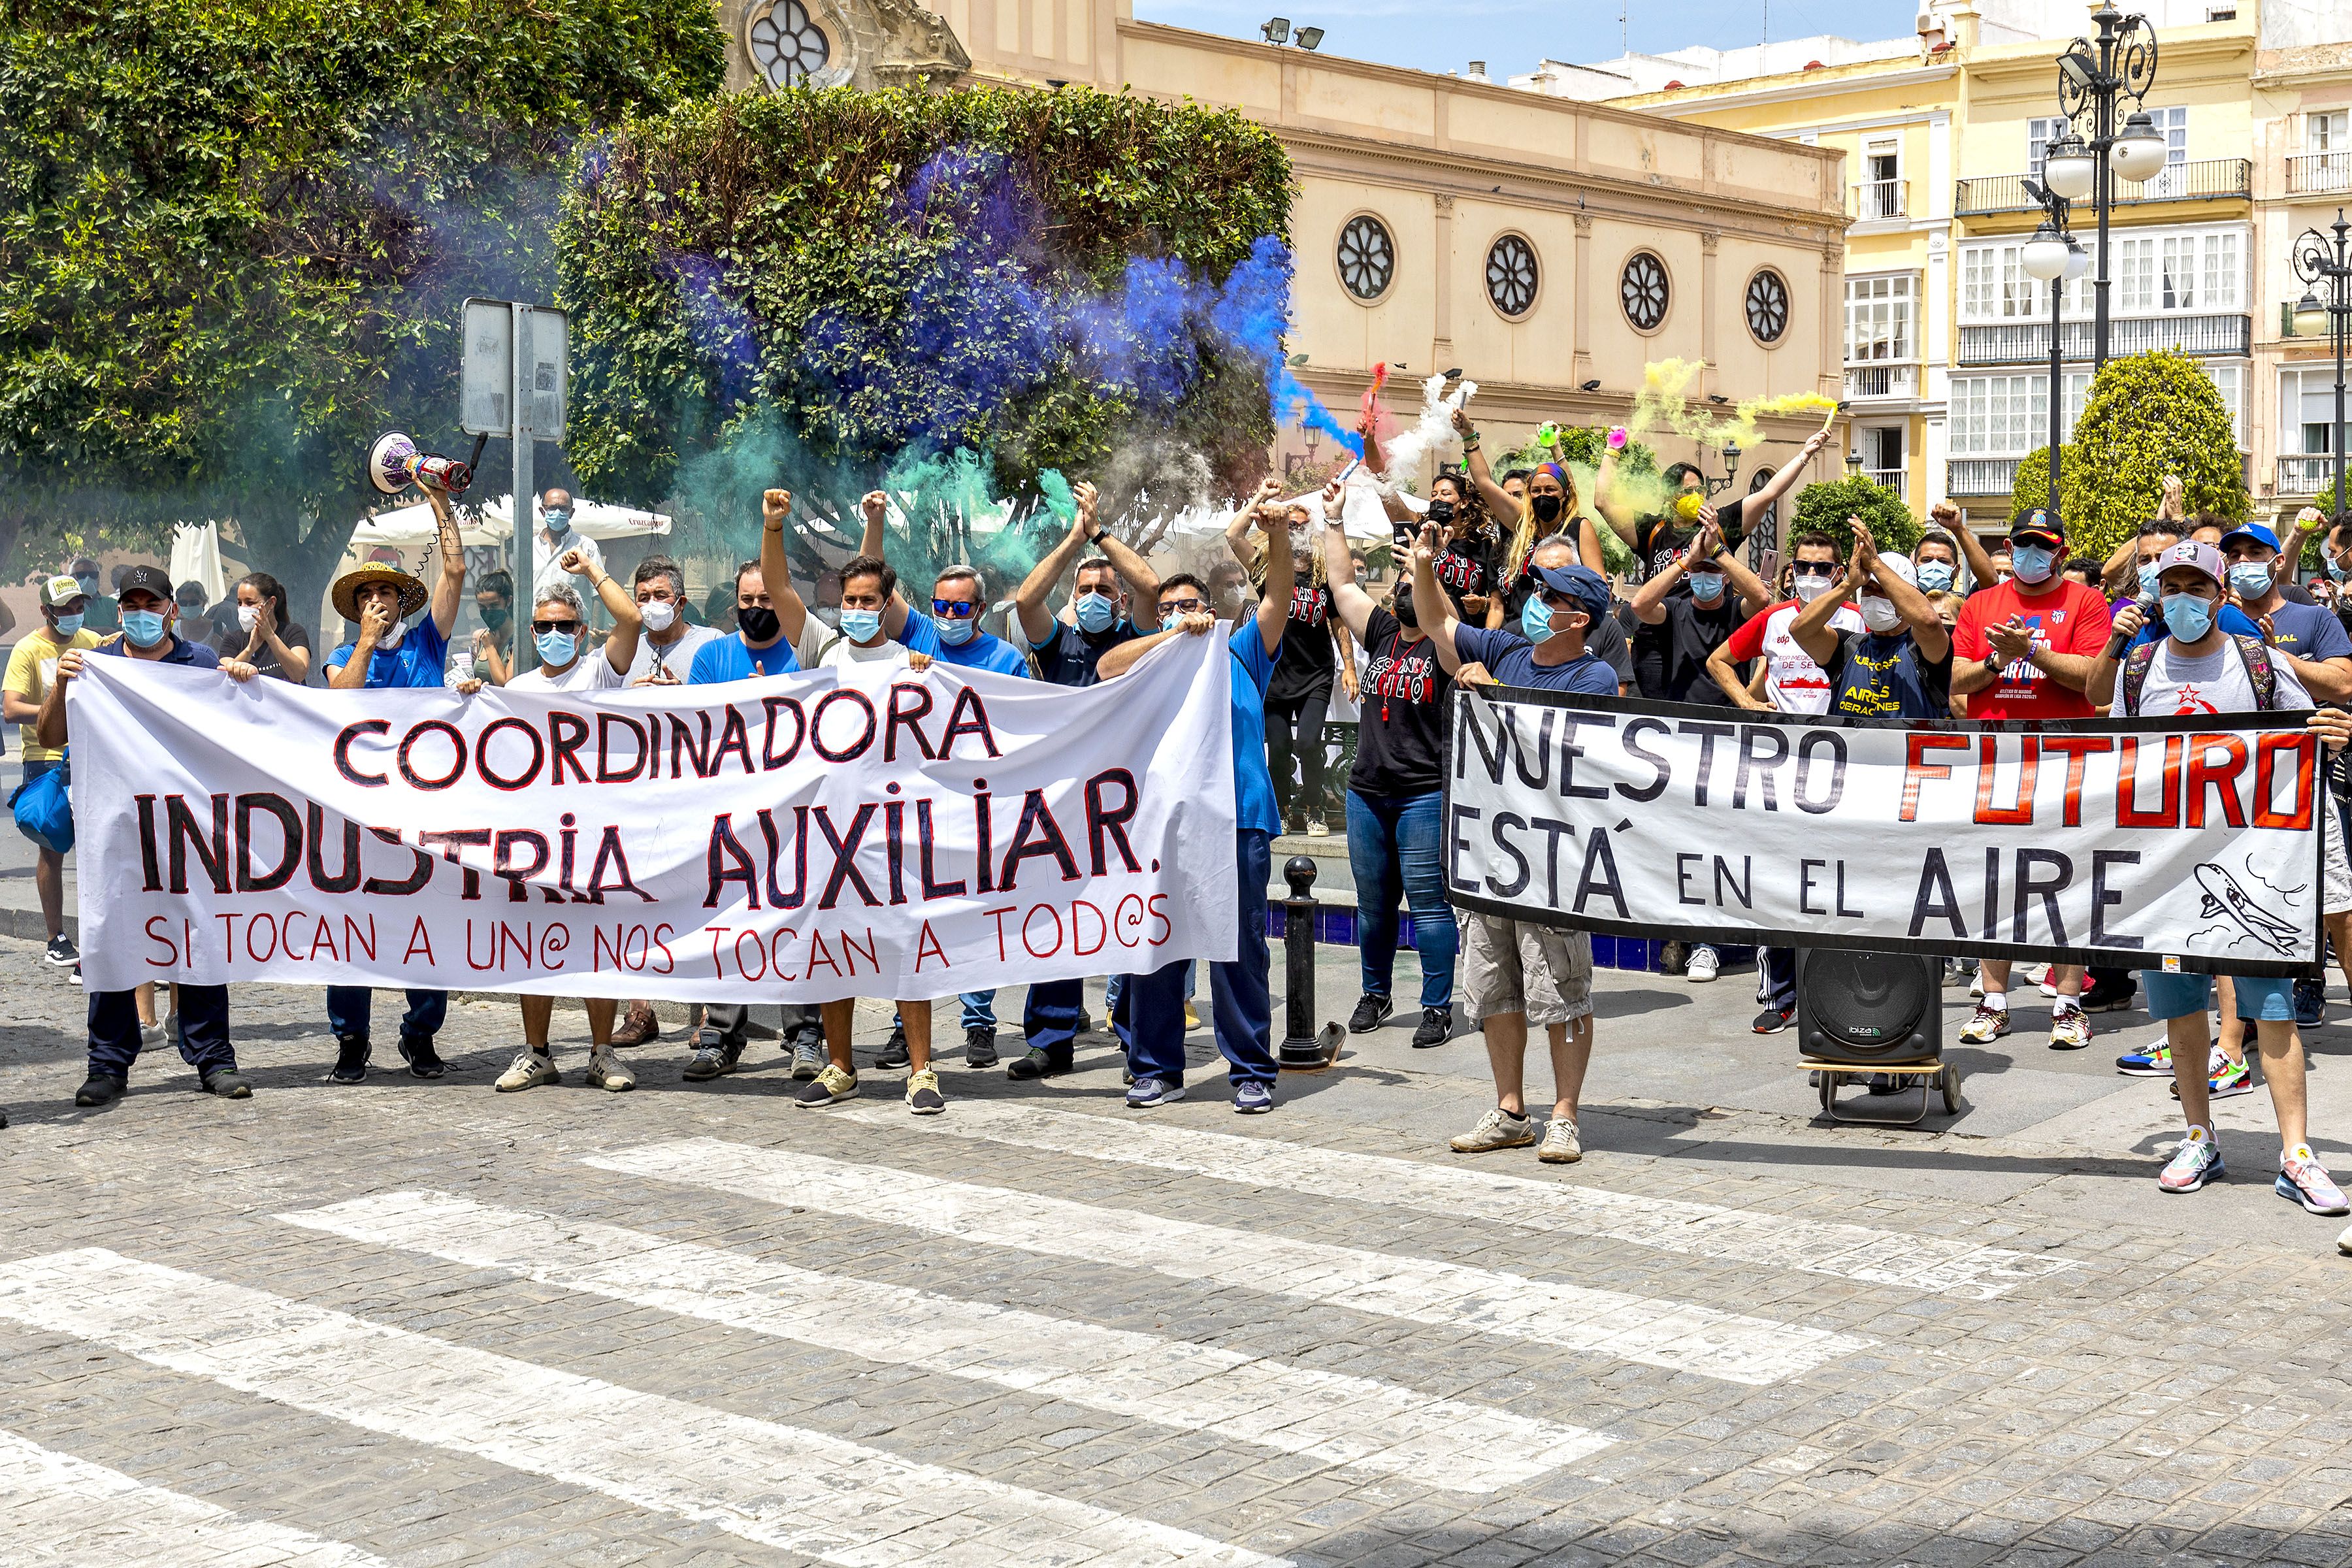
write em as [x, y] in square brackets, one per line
[1068, 655]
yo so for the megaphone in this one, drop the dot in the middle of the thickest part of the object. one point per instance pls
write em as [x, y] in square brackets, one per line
[394, 464]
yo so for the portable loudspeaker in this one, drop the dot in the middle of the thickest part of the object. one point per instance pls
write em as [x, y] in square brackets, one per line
[394, 464]
[1869, 1007]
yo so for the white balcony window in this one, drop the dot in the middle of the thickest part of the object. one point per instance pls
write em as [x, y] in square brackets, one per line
[1881, 314]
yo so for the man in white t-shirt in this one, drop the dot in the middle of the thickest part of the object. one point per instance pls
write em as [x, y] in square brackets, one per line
[555, 538]
[557, 624]
[666, 650]
[1793, 683]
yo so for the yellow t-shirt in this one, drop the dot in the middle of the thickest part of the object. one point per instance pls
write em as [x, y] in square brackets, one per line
[32, 664]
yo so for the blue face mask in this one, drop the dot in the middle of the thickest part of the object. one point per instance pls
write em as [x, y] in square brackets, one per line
[2187, 617]
[1935, 576]
[69, 624]
[955, 630]
[1535, 621]
[2250, 579]
[143, 627]
[1706, 587]
[1096, 613]
[2149, 571]
[2032, 563]
[861, 625]
[557, 648]
[559, 521]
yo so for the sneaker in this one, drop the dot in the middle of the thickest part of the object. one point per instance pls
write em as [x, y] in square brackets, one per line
[1370, 1012]
[1772, 1020]
[2344, 1242]
[2149, 1061]
[1498, 1129]
[2047, 986]
[1192, 1018]
[1035, 1063]
[153, 1035]
[980, 1048]
[641, 1027]
[830, 1087]
[1976, 984]
[1561, 1145]
[894, 1050]
[77, 972]
[2229, 1080]
[2196, 1161]
[606, 1071]
[714, 1056]
[1436, 1027]
[808, 1057]
[1251, 1099]
[1317, 828]
[61, 951]
[1704, 965]
[923, 1096]
[530, 1068]
[227, 1083]
[1957, 969]
[2310, 1003]
[1148, 1092]
[2305, 1180]
[101, 1089]
[2070, 1027]
[1987, 1024]
[423, 1061]
[2100, 997]
[351, 1058]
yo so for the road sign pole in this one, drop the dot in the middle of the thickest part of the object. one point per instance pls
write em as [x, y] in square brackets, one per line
[525, 490]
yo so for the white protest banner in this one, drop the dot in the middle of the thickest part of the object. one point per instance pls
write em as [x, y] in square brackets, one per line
[2123, 842]
[869, 831]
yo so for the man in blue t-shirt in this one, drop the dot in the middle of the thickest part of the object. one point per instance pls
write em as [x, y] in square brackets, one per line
[2155, 537]
[1516, 973]
[1068, 655]
[1153, 1005]
[2317, 649]
[146, 597]
[389, 654]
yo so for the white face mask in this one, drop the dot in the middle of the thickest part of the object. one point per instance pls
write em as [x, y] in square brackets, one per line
[660, 615]
[1880, 614]
[392, 638]
[247, 614]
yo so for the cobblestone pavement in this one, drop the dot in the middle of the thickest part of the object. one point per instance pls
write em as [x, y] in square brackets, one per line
[418, 1323]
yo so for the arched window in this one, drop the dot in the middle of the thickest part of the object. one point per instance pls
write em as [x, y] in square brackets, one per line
[1511, 275]
[1642, 289]
[788, 47]
[1767, 306]
[1367, 256]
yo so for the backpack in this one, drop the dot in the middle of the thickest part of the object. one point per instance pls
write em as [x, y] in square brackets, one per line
[2260, 669]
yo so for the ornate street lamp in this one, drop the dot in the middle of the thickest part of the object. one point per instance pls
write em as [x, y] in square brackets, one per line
[2096, 76]
[2053, 257]
[2316, 261]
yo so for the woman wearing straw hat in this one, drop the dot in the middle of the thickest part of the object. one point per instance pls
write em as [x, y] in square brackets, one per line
[389, 654]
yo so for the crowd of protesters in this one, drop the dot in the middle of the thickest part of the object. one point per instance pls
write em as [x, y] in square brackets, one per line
[1492, 579]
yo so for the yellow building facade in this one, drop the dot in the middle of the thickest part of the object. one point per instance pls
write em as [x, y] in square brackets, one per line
[1549, 248]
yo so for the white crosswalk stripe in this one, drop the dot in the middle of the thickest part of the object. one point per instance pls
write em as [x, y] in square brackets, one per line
[56, 1508]
[1732, 1236]
[1651, 1331]
[1340, 1419]
[781, 1485]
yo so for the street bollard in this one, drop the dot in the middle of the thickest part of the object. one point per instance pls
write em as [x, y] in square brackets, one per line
[1304, 1047]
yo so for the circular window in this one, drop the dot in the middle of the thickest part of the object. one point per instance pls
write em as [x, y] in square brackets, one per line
[1511, 275]
[1768, 307]
[1367, 257]
[1642, 289]
[788, 47]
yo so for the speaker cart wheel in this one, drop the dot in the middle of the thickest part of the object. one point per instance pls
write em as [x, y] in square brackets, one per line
[1951, 1082]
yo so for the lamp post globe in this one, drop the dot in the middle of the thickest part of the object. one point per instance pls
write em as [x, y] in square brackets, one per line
[2138, 154]
[2045, 254]
[2069, 169]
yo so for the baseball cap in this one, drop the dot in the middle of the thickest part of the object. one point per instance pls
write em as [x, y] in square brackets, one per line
[1889, 561]
[1582, 583]
[59, 591]
[2261, 533]
[2191, 553]
[2037, 527]
[145, 580]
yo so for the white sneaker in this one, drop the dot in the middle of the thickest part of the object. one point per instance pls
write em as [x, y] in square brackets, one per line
[531, 1069]
[606, 1071]
[1561, 1145]
[1704, 965]
[1976, 987]
[1498, 1129]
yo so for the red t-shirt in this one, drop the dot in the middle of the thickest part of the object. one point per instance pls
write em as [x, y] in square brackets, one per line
[2069, 618]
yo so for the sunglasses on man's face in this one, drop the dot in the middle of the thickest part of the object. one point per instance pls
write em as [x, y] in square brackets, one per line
[1813, 571]
[545, 626]
[954, 609]
[1191, 606]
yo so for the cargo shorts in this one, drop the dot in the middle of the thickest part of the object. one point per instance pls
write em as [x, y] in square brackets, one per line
[1512, 966]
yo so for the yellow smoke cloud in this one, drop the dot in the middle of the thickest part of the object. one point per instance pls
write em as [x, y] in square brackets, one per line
[1665, 403]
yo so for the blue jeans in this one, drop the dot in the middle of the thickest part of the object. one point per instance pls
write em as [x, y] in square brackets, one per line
[1392, 847]
[204, 1031]
[349, 1006]
[1150, 1017]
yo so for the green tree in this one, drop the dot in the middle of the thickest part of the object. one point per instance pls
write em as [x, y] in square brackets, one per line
[2030, 491]
[239, 233]
[1824, 507]
[2147, 415]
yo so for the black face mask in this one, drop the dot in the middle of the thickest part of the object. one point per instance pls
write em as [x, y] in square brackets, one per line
[1441, 512]
[1546, 508]
[496, 617]
[757, 622]
[1402, 607]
